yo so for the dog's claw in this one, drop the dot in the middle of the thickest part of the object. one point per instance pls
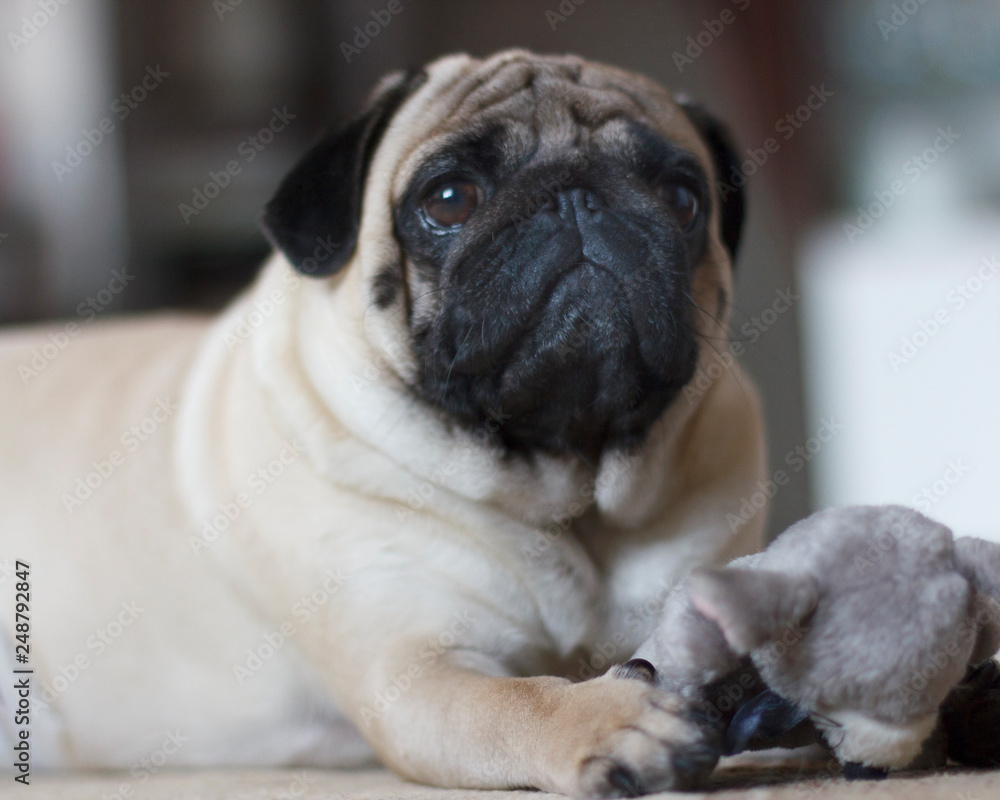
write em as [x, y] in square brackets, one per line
[625, 781]
[638, 669]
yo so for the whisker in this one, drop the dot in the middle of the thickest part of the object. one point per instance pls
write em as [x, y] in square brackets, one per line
[697, 305]
[458, 351]
[413, 301]
[713, 340]
[831, 722]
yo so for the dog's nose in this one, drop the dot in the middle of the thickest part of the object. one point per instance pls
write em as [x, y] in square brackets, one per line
[578, 204]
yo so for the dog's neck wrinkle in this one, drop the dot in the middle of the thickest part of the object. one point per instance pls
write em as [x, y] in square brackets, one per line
[309, 362]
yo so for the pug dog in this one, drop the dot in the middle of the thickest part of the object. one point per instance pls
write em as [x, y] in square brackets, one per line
[415, 491]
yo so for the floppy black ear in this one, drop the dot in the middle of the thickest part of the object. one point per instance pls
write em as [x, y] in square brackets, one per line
[315, 215]
[732, 200]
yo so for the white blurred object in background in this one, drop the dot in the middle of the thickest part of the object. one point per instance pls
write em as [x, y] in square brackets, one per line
[57, 73]
[901, 327]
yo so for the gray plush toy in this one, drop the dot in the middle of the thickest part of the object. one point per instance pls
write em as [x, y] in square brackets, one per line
[871, 628]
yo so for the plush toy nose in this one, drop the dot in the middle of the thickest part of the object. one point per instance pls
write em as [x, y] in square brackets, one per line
[768, 720]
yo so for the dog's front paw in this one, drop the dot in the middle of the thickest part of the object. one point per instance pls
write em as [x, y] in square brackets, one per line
[618, 736]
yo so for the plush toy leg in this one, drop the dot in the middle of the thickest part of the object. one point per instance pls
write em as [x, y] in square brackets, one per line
[971, 717]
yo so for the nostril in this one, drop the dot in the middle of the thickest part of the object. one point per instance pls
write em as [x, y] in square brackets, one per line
[578, 203]
[567, 204]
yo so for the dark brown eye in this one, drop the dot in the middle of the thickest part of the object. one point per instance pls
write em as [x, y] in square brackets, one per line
[683, 203]
[451, 204]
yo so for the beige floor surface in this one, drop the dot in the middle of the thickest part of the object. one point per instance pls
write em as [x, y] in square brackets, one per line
[785, 780]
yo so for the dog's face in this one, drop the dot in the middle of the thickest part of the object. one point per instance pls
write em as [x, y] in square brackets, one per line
[546, 230]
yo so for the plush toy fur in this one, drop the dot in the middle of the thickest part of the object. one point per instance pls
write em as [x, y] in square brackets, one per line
[861, 621]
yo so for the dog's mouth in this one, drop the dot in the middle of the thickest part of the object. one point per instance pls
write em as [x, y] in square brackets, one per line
[587, 360]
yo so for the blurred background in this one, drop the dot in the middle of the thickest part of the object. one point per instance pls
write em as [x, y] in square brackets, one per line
[868, 304]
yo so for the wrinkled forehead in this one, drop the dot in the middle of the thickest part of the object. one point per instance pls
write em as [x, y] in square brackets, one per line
[543, 107]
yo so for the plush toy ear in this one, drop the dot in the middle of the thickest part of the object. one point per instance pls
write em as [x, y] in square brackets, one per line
[752, 606]
[732, 200]
[688, 651]
[979, 562]
[315, 215]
